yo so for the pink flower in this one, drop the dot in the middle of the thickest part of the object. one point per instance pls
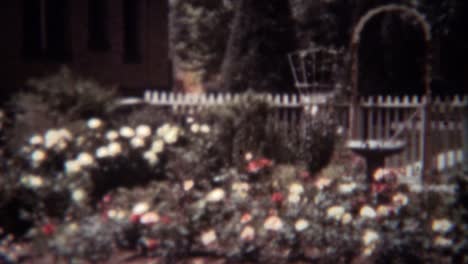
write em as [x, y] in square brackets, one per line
[304, 175]
[246, 218]
[149, 243]
[257, 165]
[48, 229]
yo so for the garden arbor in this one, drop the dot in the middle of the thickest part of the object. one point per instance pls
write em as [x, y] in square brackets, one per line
[376, 149]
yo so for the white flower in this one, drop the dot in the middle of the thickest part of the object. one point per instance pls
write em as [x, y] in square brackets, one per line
[400, 199]
[273, 223]
[36, 140]
[102, 152]
[143, 131]
[57, 139]
[190, 120]
[321, 183]
[117, 214]
[126, 132]
[137, 142]
[65, 134]
[296, 188]
[442, 225]
[368, 250]
[383, 210]
[215, 195]
[195, 128]
[114, 149]
[151, 157]
[188, 185]
[72, 167]
[367, 212]
[149, 218]
[314, 110]
[38, 156]
[380, 174]
[94, 123]
[208, 237]
[247, 234]
[301, 225]
[335, 212]
[162, 130]
[85, 159]
[112, 135]
[205, 129]
[78, 195]
[248, 156]
[294, 198]
[441, 241]
[72, 228]
[172, 135]
[346, 188]
[339, 130]
[370, 237]
[32, 181]
[157, 146]
[240, 189]
[168, 133]
[140, 208]
[346, 219]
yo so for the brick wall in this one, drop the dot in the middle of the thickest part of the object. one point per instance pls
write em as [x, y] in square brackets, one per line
[107, 67]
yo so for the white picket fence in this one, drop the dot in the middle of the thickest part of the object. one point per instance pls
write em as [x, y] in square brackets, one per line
[381, 117]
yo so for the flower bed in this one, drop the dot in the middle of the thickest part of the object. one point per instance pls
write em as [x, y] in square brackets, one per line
[172, 191]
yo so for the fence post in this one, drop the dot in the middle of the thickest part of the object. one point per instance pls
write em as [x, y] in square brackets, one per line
[465, 138]
[425, 141]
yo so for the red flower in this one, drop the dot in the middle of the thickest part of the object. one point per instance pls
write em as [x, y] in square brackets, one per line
[135, 218]
[255, 166]
[277, 197]
[379, 187]
[48, 229]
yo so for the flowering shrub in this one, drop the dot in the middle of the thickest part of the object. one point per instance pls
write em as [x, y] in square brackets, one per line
[171, 191]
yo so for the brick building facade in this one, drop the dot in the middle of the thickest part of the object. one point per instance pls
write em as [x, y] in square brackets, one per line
[118, 42]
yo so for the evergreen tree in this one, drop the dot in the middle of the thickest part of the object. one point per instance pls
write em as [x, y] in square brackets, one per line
[256, 56]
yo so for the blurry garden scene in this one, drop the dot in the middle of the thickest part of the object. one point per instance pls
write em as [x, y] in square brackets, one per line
[290, 132]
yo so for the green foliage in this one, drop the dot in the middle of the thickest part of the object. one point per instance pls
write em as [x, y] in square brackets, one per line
[262, 34]
[55, 100]
[199, 34]
[69, 97]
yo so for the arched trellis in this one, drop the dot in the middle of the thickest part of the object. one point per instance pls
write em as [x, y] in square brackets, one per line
[355, 40]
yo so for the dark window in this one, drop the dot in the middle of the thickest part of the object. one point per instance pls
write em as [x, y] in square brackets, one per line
[98, 38]
[32, 29]
[57, 25]
[132, 32]
[45, 30]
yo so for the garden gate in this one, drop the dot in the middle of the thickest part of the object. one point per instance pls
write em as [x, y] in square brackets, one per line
[362, 138]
